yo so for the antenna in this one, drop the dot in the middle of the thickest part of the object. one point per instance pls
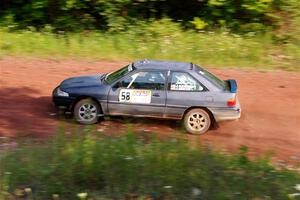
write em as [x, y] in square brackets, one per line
[192, 66]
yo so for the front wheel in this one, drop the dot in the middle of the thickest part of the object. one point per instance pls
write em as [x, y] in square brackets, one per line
[86, 111]
[197, 121]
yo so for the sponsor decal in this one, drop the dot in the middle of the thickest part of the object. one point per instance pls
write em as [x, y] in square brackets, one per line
[183, 87]
[135, 96]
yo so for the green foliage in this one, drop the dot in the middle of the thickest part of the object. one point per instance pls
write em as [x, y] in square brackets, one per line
[198, 23]
[243, 15]
[288, 21]
[115, 15]
[112, 167]
[159, 39]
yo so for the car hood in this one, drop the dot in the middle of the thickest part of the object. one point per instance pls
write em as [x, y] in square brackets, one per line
[82, 81]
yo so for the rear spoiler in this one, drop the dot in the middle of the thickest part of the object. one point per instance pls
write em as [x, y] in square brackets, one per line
[232, 85]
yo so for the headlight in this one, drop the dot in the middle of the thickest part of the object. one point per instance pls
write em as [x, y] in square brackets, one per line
[61, 93]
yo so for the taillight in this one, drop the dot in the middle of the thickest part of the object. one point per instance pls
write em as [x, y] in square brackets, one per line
[231, 102]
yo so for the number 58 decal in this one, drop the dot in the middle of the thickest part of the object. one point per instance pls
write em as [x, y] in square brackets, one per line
[135, 96]
[125, 96]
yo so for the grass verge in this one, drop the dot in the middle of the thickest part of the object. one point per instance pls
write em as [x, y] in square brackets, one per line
[212, 49]
[104, 167]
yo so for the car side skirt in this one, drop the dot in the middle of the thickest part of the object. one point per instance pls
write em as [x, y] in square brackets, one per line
[147, 116]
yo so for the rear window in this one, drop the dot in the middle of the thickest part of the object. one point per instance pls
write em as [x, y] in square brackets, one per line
[218, 82]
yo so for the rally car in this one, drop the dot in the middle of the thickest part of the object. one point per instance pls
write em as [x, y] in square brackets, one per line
[152, 88]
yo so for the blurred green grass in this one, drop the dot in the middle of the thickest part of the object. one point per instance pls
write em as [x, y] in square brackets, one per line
[216, 49]
[112, 167]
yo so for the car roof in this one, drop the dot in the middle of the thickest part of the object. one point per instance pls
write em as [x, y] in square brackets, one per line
[162, 64]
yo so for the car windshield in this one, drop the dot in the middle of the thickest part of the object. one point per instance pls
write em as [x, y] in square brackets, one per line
[112, 77]
[220, 83]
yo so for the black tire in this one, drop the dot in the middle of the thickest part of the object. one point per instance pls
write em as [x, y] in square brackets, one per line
[86, 111]
[197, 121]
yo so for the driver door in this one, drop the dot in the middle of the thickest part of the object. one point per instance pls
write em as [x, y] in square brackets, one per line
[142, 93]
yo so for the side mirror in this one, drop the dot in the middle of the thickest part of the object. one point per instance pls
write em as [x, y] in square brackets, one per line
[117, 85]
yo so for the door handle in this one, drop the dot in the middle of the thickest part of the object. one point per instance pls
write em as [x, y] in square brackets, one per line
[155, 95]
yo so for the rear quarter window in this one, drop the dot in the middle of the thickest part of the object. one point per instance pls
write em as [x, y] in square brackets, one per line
[182, 81]
[211, 77]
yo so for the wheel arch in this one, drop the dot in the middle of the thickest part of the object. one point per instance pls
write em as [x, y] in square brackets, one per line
[79, 98]
[213, 120]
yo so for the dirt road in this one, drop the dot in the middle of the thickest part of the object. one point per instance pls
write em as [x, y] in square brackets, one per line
[270, 101]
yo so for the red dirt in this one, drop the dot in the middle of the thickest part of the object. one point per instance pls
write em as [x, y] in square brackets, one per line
[270, 101]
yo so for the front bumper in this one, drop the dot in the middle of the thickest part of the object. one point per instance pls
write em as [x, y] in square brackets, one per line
[64, 103]
[222, 114]
[60, 102]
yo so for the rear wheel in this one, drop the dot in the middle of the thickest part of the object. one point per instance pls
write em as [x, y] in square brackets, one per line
[86, 111]
[197, 121]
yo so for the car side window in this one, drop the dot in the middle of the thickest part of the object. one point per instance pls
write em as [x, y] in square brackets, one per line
[153, 80]
[184, 82]
[126, 81]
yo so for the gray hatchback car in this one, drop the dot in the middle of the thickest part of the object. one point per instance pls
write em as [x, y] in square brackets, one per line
[152, 88]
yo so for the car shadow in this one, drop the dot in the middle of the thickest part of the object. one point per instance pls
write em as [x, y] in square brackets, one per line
[24, 112]
[147, 121]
